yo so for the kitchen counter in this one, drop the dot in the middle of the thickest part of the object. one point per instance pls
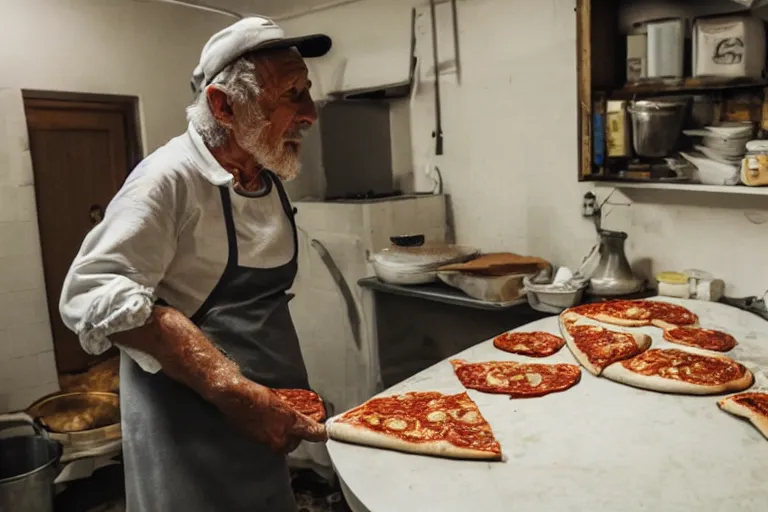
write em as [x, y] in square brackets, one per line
[437, 292]
[441, 292]
[600, 446]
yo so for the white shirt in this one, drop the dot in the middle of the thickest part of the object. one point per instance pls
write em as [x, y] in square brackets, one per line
[163, 235]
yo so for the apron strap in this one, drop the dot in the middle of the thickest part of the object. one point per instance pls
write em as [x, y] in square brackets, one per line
[290, 211]
[287, 206]
[229, 223]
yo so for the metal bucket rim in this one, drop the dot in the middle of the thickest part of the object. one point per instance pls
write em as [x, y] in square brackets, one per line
[53, 460]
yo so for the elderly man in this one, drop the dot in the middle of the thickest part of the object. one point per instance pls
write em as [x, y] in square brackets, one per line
[187, 274]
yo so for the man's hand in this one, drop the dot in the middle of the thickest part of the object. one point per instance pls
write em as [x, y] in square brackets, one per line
[262, 415]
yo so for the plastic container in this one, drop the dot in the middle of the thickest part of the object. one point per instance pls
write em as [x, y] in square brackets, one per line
[729, 46]
[673, 284]
[666, 39]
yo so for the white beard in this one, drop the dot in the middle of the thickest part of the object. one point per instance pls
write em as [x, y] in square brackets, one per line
[281, 160]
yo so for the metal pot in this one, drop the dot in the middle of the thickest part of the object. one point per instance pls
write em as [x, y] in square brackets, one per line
[104, 408]
[28, 467]
[417, 265]
[656, 125]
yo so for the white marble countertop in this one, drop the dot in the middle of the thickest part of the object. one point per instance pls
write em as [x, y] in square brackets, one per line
[600, 446]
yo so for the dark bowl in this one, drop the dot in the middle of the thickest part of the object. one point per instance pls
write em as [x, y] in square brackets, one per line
[407, 240]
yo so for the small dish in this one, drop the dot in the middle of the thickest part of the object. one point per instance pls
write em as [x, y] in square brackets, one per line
[715, 155]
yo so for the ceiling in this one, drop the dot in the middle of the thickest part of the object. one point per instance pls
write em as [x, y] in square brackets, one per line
[271, 8]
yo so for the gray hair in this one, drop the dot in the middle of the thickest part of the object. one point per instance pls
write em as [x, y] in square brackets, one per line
[238, 80]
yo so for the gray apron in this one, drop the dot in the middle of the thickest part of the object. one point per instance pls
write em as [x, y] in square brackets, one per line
[180, 452]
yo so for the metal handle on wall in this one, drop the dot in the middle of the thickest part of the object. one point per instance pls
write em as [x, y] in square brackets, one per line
[346, 293]
[438, 116]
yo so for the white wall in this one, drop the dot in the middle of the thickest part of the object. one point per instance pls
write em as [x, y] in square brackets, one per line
[143, 49]
[510, 160]
[96, 46]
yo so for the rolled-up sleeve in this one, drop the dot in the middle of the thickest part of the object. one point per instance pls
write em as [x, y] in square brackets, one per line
[110, 286]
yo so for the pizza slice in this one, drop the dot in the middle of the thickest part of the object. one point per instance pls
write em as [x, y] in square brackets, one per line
[627, 313]
[684, 371]
[426, 423]
[707, 339]
[637, 313]
[518, 380]
[751, 406]
[596, 347]
[666, 316]
[303, 401]
[533, 344]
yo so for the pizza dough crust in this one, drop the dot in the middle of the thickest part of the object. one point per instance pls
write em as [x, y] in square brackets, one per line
[661, 324]
[618, 373]
[759, 421]
[643, 341]
[624, 322]
[362, 436]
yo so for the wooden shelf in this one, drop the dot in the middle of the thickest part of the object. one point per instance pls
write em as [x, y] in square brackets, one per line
[688, 86]
[687, 187]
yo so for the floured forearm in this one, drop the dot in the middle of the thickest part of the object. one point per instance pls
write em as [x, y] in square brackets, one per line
[188, 357]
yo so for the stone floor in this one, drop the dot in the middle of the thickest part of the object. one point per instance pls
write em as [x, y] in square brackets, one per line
[313, 493]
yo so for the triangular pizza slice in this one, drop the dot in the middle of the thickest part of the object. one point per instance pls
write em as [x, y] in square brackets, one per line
[426, 423]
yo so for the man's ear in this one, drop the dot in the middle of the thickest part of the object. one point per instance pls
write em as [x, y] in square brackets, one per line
[221, 109]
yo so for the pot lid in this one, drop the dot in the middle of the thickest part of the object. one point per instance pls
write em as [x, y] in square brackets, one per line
[659, 104]
[424, 256]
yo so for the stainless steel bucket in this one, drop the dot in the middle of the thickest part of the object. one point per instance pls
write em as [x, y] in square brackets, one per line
[656, 125]
[29, 465]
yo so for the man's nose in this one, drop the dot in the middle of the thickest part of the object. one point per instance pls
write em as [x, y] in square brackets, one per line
[307, 113]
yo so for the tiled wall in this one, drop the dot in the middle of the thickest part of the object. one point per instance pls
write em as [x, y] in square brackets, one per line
[27, 364]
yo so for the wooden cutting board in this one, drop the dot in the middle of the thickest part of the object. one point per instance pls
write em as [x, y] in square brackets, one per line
[500, 264]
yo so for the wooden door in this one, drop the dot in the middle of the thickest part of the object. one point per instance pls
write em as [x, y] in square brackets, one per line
[81, 152]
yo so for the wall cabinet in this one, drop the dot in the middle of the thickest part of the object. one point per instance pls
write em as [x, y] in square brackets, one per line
[655, 76]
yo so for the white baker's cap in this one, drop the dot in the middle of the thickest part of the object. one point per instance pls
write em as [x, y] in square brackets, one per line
[247, 35]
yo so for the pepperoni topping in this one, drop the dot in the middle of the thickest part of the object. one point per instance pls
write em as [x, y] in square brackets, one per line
[518, 380]
[534, 344]
[703, 338]
[683, 366]
[757, 402]
[303, 401]
[419, 417]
